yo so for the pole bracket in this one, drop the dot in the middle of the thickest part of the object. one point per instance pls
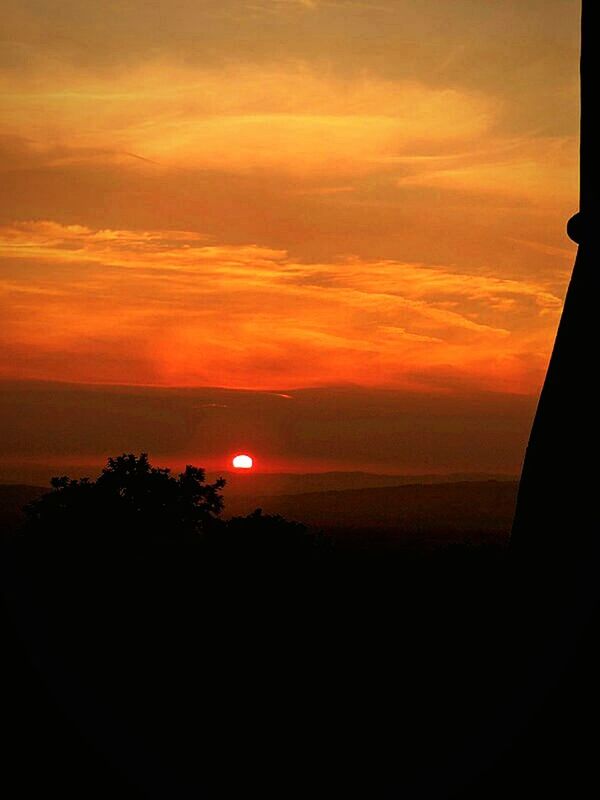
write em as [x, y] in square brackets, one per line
[576, 228]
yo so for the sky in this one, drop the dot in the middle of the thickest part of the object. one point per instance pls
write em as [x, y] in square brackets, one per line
[285, 199]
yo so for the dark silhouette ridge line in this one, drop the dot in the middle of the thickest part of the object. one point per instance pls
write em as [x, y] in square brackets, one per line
[284, 483]
[482, 508]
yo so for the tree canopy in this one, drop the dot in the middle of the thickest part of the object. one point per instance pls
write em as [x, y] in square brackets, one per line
[130, 492]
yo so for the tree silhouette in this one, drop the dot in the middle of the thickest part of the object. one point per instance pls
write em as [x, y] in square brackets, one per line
[130, 494]
[266, 544]
[132, 499]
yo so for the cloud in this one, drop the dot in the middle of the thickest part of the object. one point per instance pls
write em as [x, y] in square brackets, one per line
[505, 169]
[283, 117]
[175, 308]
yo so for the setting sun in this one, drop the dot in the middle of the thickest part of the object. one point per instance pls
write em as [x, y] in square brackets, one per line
[243, 461]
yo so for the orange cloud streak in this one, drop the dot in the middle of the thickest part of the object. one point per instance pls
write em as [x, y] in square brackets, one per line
[170, 307]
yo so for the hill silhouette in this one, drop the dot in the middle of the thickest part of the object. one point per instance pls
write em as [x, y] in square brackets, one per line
[482, 510]
[174, 642]
[440, 512]
[260, 484]
[161, 649]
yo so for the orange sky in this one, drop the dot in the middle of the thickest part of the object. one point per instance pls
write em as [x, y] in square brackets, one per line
[287, 194]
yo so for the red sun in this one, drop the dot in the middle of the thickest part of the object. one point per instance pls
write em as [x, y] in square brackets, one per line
[243, 461]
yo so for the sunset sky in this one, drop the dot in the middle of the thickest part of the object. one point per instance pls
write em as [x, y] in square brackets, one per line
[286, 201]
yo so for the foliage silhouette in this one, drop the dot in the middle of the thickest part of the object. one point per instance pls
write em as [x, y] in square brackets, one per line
[130, 494]
[133, 501]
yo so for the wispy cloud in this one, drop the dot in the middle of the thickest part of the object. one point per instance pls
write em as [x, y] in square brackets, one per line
[289, 118]
[191, 311]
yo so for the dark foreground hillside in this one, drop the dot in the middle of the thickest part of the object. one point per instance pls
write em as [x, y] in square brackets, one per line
[256, 658]
[191, 669]
[13, 497]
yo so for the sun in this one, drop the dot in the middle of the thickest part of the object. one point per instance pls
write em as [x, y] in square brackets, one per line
[243, 461]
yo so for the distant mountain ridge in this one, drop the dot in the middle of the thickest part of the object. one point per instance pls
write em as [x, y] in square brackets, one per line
[478, 510]
[450, 511]
[266, 484]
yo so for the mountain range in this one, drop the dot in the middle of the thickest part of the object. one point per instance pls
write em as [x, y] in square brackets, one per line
[385, 508]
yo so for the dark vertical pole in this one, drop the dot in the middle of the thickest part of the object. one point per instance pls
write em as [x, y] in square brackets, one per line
[556, 523]
[590, 127]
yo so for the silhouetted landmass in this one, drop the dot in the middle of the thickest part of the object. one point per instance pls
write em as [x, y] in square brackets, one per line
[13, 497]
[258, 484]
[196, 653]
[446, 512]
[161, 650]
[480, 511]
